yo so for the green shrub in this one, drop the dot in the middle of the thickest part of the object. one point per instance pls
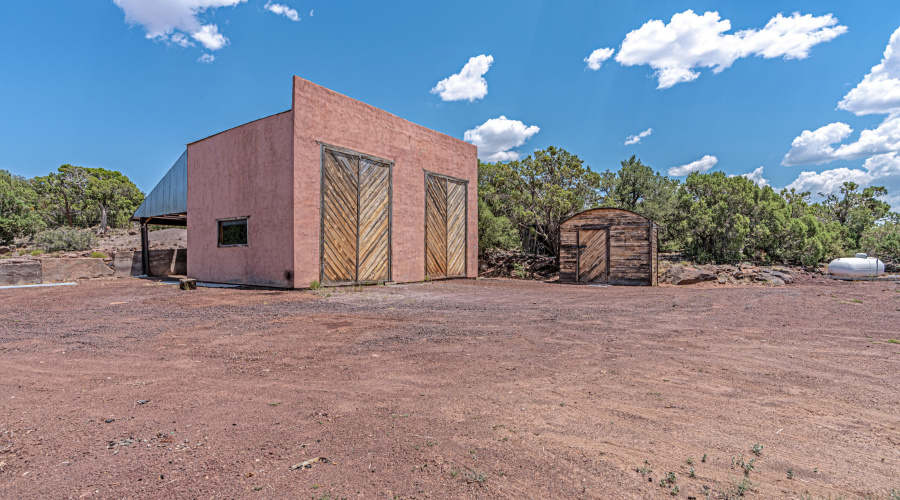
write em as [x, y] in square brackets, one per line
[314, 285]
[518, 271]
[495, 231]
[35, 253]
[65, 239]
[883, 241]
[18, 216]
[98, 255]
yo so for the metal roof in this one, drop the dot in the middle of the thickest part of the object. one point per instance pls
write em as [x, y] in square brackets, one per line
[167, 203]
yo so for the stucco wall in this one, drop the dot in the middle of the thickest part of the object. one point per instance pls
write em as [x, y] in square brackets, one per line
[331, 118]
[243, 171]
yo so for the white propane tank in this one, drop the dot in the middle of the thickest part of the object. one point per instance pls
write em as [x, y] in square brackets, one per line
[860, 265]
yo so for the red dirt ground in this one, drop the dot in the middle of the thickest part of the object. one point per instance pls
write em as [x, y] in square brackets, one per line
[456, 389]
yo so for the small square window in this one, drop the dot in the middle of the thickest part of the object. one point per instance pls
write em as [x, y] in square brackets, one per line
[233, 232]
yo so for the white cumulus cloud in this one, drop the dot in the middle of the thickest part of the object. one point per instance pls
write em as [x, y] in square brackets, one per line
[180, 39]
[756, 176]
[172, 20]
[496, 138]
[701, 165]
[885, 167]
[597, 57]
[690, 41]
[816, 147]
[635, 139]
[469, 84]
[283, 10]
[206, 58]
[829, 180]
[210, 37]
[879, 91]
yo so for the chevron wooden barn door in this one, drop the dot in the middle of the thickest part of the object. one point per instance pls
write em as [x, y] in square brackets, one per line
[445, 227]
[356, 218]
[593, 255]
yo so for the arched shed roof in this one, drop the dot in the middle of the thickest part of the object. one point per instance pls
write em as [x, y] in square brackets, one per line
[605, 209]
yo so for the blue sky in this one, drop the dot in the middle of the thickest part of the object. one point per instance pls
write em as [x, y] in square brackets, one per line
[123, 84]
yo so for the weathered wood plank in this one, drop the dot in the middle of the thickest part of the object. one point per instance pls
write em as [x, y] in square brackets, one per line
[456, 229]
[593, 261]
[339, 217]
[374, 221]
[435, 226]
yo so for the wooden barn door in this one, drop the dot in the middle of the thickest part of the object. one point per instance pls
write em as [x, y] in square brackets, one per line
[445, 226]
[593, 255]
[356, 218]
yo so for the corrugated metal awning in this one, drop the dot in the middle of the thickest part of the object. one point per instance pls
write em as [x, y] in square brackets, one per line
[167, 202]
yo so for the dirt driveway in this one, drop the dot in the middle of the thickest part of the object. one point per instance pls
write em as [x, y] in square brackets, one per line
[458, 389]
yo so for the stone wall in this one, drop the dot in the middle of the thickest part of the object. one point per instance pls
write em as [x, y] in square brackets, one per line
[49, 270]
[20, 272]
[67, 269]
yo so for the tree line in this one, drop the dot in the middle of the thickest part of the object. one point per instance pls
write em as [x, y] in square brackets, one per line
[74, 197]
[710, 217]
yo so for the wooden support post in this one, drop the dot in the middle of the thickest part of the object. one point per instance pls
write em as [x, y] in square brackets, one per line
[145, 248]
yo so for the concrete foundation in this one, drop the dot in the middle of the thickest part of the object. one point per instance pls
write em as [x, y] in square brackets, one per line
[162, 263]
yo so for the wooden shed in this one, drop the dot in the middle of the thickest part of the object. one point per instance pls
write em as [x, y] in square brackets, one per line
[609, 246]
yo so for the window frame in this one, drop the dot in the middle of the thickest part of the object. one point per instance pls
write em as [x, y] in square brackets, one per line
[219, 226]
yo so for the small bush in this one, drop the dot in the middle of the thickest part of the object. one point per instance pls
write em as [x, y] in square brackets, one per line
[518, 271]
[35, 253]
[65, 239]
[314, 285]
[98, 255]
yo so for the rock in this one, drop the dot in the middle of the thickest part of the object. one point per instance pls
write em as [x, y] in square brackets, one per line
[4, 250]
[746, 271]
[686, 276]
[20, 272]
[73, 269]
[775, 281]
[785, 277]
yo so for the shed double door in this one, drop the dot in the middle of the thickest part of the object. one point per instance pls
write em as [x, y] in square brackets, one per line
[592, 262]
[445, 227]
[356, 218]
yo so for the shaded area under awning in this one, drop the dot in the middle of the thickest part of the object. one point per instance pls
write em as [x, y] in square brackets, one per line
[165, 205]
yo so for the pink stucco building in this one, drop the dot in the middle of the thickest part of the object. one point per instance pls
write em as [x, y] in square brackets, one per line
[332, 191]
